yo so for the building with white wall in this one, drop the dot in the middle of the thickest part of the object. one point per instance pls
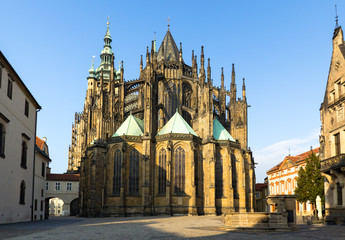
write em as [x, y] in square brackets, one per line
[282, 179]
[42, 161]
[18, 114]
[66, 188]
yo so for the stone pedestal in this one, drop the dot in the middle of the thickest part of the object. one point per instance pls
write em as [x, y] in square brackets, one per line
[285, 204]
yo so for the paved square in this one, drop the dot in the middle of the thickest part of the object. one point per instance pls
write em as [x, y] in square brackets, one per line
[203, 227]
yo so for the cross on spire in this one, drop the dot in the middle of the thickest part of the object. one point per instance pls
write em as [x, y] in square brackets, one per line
[336, 17]
[168, 22]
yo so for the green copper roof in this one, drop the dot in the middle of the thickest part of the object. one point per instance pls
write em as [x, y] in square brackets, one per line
[177, 124]
[92, 70]
[131, 126]
[107, 34]
[219, 132]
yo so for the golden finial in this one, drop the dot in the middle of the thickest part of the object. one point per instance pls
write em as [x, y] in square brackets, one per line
[108, 21]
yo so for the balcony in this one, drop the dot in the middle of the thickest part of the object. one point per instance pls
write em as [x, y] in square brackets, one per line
[333, 163]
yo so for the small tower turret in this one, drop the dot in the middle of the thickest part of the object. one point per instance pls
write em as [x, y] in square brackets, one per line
[147, 56]
[180, 53]
[244, 90]
[233, 85]
[202, 67]
[222, 79]
[122, 71]
[141, 63]
[208, 71]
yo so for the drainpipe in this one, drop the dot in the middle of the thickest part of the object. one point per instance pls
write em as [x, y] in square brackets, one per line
[33, 171]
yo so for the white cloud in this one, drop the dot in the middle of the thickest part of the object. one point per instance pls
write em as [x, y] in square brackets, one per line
[269, 156]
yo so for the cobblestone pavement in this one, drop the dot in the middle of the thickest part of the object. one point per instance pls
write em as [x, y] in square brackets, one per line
[201, 227]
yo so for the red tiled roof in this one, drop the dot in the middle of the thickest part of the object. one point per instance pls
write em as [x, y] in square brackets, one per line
[39, 143]
[260, 186]
[295, 159]
[63, 177]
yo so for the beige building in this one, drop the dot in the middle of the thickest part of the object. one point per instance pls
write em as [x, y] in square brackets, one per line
[42, 161]
[166, 143]
[18, 113]
[62, 192]
[282, 179]
[261, 193]
[332, 139]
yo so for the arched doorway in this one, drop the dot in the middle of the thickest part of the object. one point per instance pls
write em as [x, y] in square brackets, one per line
[74, 207]
[56, 207]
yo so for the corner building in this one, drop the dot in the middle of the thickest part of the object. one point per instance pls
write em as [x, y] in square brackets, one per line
[332, 138]
[165, 143]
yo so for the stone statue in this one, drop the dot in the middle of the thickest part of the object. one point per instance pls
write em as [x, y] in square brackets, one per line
[318, 207]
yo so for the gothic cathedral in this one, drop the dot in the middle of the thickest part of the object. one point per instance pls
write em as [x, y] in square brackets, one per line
[165, 143]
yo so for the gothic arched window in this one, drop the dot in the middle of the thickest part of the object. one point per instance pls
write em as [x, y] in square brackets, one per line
[234, 176]
[170, 99]
[117, 172]
[219, 175]
[186, 95]
[22, 192]
[134, 171]
[24, 155]
[187, 101]
[179, 170]
[2, 140]
[162, 171]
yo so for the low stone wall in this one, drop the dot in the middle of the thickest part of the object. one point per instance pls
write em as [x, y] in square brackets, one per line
[256, 221]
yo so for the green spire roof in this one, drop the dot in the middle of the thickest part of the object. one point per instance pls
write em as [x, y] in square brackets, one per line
[177, 124]
[131, 126]
[92, 70]
[219, 132]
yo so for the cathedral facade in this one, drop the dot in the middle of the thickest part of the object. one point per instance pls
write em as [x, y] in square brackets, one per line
[165, 143]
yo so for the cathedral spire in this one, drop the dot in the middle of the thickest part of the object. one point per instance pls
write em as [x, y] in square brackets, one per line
[208, 71]
[155, 46]
[244, 90]
[222, 79]
[107, 52]
[336, 17]
[202, 62]
[92, 70]
[147, 56]
[141, 63]
[180, 53]
[233, 84]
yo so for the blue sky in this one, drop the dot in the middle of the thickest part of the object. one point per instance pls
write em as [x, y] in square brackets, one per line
[282, 48]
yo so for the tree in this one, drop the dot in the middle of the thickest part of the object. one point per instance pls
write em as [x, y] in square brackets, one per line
[310, 181]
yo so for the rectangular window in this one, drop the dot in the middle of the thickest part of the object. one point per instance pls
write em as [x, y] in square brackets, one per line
[57, 186]
[26, 108]
[41, 205]
[337, 143]
[69, 186]
[47, 186]
[257, 195]
[43, 169]
[35, 204]
[9, 89]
